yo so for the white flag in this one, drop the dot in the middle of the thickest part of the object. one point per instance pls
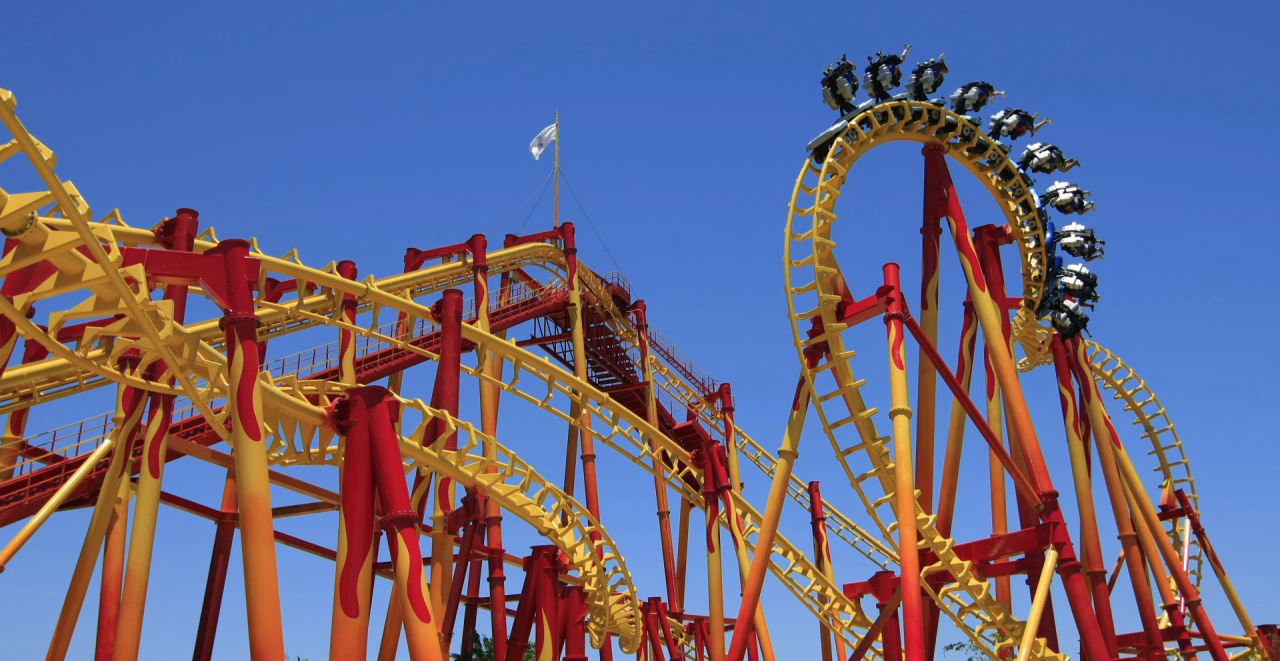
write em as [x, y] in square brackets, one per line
[540, 143]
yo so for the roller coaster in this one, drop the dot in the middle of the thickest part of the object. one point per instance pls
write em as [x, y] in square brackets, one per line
[101, 303]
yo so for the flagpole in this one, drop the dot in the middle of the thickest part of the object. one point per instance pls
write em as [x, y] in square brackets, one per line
[555, 210]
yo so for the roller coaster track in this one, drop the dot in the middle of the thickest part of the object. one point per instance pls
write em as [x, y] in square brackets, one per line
[515, 485]
[145, 327]
[815, 288]
[808, 585]
[93, 260]
[1115, 375]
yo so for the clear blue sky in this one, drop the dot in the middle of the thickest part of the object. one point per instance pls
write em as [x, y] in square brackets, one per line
[353, 131]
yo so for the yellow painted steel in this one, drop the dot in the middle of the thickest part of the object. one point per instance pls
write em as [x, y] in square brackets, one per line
[1113, 374]
[1037, 604]
[790, 561]
[126, 423]
[814, 285]
[54, 502]
[300, 430]
[137, 574]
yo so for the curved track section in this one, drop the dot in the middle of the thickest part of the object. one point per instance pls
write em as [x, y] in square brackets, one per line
[56, 245]
[815, 287]
[1117, 377]
[145, 327]
[514, 484]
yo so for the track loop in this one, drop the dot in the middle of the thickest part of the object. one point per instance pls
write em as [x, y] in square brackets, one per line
[815, 285]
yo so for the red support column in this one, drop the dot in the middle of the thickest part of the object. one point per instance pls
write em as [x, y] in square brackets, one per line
[462, 562]
[535, 567]
[445, 397]
[111, 578]
[223, 534]
[926, 386]
[574, 604]
[938, 182]
[470, 611]
[822, 559]
[890, 640]
[650, 616]
[664, 624]
[1096, 573]
[377, 408]
[640, 311]
[353, 568]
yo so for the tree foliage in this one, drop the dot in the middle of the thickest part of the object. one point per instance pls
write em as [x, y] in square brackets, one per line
[482, 650]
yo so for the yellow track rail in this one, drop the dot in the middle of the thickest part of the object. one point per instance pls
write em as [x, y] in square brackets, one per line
[200, 364]
[613, 606]
[814, 287]
[1123, 382]
[813, 283]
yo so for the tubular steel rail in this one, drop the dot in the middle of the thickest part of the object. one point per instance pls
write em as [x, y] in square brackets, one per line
[185, 388]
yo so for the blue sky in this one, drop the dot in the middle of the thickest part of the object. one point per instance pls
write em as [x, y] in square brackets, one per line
[354, 131]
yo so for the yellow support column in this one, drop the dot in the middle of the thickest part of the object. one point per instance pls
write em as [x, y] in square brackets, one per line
[715, 588]
[253, 489]
[1131, 529]
[129, 405]
[751, 587]
[903, 472]
[133, 595]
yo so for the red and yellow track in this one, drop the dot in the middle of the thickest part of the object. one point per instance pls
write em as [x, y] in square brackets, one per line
[200, 388]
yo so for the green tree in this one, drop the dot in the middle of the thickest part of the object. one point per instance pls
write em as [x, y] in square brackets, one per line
[971, 651]
[482, 650]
